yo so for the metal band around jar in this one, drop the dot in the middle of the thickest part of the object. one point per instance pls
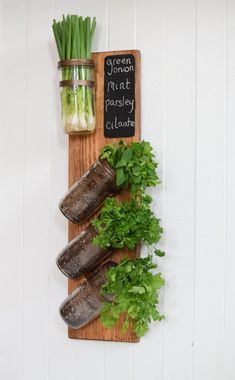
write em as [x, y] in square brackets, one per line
[73, 82]
[75, 62]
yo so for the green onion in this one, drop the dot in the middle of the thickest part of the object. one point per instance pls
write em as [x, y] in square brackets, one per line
[73, 37]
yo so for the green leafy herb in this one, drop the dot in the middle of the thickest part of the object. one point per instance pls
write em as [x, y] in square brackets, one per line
[134, 163]
[127, 224]
[135, 289]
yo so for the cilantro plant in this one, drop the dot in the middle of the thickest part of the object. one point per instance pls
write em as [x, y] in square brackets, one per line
[135, 289]
[127, 224]
[134, 163]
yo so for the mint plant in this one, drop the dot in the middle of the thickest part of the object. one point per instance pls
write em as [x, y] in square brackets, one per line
[134, 163]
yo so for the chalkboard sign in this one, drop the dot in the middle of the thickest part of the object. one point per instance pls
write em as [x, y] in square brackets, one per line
[119, 96]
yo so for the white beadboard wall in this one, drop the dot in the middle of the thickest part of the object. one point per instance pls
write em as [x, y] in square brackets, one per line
[188, 114]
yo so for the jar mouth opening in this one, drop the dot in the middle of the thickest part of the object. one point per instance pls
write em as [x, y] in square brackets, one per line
[76, 62]
[111, 170]
[101, 272]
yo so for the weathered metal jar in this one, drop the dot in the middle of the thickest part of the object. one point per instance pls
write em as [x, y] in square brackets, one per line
[88, 193]
[80, 256]
[77, 95]
[86, 302]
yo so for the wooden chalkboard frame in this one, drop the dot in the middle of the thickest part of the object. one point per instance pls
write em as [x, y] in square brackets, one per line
[119, 96]
[83, 151]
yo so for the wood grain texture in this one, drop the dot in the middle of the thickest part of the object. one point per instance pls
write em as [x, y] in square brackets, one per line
[83, 151]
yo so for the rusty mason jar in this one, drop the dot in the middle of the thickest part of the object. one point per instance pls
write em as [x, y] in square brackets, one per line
[86, 302]
[88, 193]
[80, 256]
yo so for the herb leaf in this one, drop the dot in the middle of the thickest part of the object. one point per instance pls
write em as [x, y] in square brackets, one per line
[127, 224]
[120, 177]
[135, 289]
[137, 163]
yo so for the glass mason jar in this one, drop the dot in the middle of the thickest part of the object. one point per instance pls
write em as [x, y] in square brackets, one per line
[80, 256]
[89, 192]
[77, 95]
[86, 302]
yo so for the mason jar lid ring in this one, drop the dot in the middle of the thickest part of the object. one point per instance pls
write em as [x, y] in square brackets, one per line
[76, 82]
[75, 62]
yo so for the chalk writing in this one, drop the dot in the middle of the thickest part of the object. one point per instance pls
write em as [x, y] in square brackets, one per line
[119, 96]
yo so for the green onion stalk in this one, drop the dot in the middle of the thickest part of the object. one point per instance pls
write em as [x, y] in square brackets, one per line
[73, 37]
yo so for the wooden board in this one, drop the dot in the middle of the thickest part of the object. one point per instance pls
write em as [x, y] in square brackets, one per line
[83, 151]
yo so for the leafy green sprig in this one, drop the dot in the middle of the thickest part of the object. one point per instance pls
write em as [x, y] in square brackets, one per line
[127, 224]
[132, 283]
[134, 163]
[135, 289]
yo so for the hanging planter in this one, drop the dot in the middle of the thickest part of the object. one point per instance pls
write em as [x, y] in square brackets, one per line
[122, 166]
[73, 36]
[81, 256]
[131, 285]
[86, 302]
[119, 225]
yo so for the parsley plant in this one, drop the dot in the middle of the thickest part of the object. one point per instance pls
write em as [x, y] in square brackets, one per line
[127, 224]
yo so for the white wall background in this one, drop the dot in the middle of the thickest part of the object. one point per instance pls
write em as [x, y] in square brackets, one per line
[188, 114]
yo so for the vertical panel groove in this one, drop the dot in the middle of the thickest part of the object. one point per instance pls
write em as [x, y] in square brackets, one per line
[225, 190]
[135, 23]
[49, 343]
[23, 190]
[195, 192]
[210, 190]
[229, 327]
[164, 8]
[107, 24]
